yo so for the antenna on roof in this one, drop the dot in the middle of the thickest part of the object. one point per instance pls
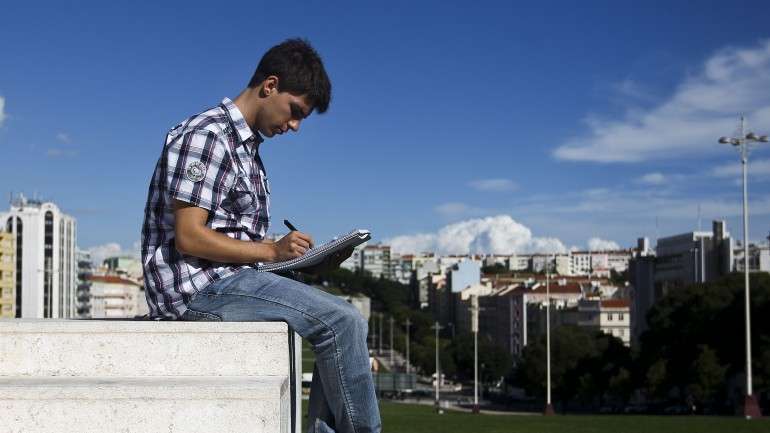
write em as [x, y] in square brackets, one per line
[699, 218]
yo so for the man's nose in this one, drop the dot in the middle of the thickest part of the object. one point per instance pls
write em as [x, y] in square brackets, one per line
[294, 125]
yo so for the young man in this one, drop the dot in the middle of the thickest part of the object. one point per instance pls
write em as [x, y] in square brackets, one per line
[204, 230]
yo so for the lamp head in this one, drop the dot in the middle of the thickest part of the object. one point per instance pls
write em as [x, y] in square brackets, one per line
[752, 136]
[724, 140]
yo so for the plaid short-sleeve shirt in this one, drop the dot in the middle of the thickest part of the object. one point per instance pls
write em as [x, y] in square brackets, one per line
[211, 161]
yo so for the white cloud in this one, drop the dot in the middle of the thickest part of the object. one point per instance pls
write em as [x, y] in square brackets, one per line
[112, 249]
[703, 107]
[497, 185]
[757, 168]
[599, 244]
[652, 179]
[498, 234]
[2, 110]
[63, 137]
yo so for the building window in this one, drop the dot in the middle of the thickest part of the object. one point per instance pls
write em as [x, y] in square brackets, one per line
[48, 266]
[609, 317]
[620, 316]
[19, 263]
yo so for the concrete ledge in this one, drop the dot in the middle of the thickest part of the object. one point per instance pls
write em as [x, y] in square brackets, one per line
[142, 348]
[142, 405]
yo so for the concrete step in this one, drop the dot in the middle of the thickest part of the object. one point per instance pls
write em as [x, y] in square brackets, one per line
[145, 404]
[44, 348]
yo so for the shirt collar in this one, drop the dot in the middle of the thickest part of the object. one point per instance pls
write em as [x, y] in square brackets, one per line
[239, 123]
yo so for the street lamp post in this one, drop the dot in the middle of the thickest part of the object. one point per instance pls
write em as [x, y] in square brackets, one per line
[408, 323]
[548, 406]
[475, 329]
[741, 143]
[392, 359]
[438, 327]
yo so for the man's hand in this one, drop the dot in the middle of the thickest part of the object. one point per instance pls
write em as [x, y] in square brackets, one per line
[292, 246]
[330, 263]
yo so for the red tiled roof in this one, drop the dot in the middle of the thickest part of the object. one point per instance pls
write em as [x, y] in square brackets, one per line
[556, 288]
[113, 279]
[615, 303]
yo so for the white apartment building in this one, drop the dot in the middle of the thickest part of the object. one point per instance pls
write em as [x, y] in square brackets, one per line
[44, 238]
[7, 275]
[83, 295]
[759, 258]
[518, 262]
[599, 263]
[114, 296]
[611, 316]
[375, 259]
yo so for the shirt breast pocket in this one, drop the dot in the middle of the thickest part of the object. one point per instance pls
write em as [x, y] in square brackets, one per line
[242, 199]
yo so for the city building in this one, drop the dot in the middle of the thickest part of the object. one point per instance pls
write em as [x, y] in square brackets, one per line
[7, 275]
[114, 296]
[680, 260]
[463, 274]
[599, 263]
[519, 262]
[125, 266]
[45, 271]
[375, 259]
[641, 278]
[610, 316]
[513, 315]
[464, 300]
[759, 258]
[83, 294]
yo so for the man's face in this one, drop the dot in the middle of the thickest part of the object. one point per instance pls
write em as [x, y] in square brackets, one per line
[281, 112]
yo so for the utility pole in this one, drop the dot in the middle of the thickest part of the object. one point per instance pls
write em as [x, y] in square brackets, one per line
[392, 359]
[548, 406]
[475, 329]
[751, 407]
[408, 324]
[438, 327]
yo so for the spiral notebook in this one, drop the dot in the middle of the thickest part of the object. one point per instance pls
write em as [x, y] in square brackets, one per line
[316, 255]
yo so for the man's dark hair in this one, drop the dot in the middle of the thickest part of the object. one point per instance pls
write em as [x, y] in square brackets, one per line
[300, 71]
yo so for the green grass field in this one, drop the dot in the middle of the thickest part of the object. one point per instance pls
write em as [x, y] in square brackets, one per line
[409, 418]
[406, 418]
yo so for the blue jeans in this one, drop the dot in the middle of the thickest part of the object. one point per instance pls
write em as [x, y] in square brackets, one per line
[342, 397]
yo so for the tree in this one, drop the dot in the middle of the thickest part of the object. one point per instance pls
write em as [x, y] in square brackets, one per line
[688, 329]
[656, 379]
[707, 376]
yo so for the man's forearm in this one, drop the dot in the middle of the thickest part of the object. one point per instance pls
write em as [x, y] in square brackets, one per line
[211, 245]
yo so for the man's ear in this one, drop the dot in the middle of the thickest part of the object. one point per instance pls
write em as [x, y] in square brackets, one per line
[270, 85]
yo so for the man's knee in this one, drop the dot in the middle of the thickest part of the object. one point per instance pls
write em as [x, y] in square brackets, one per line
[351, 320]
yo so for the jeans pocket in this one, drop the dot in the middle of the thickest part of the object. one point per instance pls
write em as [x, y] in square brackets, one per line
[200, 316]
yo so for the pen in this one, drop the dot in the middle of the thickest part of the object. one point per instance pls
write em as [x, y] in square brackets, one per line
[290, 226]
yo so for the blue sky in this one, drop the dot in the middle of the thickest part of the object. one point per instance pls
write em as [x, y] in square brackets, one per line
[565, 122]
